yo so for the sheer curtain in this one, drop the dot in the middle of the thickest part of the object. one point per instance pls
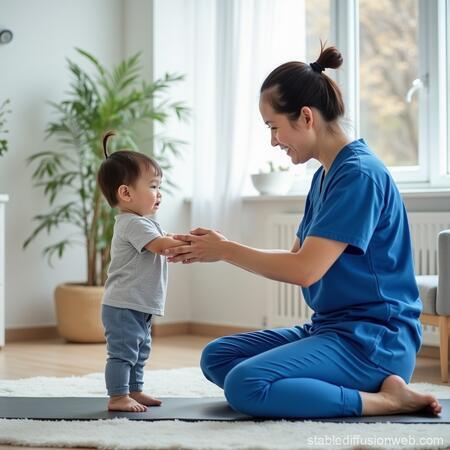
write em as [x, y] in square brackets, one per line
[237, 43]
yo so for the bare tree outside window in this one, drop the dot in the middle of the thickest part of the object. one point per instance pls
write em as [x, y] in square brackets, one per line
[389, 62]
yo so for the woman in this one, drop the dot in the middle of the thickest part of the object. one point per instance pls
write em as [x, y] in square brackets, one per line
[353, 259]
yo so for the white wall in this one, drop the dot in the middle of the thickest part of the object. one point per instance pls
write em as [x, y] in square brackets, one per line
[33, 71]
[224, 294]
[172, 52]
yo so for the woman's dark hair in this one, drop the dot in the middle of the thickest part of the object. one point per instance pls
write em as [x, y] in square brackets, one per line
[122, 167]
[294, 85]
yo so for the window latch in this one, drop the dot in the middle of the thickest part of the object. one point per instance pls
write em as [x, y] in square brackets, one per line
[416, 85]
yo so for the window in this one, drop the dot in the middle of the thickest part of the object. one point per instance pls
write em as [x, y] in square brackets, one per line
[402, 90]
[390, 83]
[395, 82]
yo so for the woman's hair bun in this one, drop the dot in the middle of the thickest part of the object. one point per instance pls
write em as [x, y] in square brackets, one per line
[330, 57]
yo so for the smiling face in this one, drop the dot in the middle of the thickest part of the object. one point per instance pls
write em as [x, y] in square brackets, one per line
[144, 196]
[297, 137]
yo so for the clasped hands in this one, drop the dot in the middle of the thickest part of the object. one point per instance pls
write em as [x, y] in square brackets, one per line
[202, 245]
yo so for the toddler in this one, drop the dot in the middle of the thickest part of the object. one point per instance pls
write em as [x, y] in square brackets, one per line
[135, 289]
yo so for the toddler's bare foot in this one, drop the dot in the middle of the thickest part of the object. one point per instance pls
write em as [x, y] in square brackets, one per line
[125, 403]
[145, 399]
[395, 397]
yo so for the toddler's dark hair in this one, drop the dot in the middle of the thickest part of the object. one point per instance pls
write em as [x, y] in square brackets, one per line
[294, 85]
[122, 167]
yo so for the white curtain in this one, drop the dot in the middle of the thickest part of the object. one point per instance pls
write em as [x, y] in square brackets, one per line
[237, 43]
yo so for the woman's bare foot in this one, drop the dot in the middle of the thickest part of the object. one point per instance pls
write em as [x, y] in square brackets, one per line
[125, 403]
[396, 397]
[145, 399]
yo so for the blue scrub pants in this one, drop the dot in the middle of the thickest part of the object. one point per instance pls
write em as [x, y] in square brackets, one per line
[288, 373]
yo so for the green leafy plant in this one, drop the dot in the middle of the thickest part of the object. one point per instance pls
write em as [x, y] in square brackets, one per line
[3, 112]
[273, 168]
[116, 99]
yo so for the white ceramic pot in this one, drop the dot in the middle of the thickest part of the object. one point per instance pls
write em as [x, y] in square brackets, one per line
[273, 183]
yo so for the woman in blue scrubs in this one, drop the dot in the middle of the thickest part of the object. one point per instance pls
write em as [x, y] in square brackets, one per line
[352, 258]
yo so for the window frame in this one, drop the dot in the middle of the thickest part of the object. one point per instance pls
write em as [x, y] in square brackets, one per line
[434, 23]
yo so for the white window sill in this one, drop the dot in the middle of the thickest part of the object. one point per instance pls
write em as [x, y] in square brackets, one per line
[296, 197]
[405, 193]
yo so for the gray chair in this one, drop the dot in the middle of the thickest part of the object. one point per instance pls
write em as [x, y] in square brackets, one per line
[435, 294]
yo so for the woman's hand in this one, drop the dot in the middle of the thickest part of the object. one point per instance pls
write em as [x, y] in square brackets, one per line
[205, 245]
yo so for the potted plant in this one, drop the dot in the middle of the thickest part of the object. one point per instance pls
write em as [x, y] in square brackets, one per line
[116, 99]
[276, 180]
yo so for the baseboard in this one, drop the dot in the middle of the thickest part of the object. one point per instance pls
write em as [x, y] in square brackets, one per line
[163, 329]
[199, 329]
[170, 329]
[213, 330]
[30, 334]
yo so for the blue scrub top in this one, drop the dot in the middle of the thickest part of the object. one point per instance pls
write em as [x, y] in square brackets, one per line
[369, 294]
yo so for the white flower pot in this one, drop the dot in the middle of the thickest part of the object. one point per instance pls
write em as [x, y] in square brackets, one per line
[273, 183]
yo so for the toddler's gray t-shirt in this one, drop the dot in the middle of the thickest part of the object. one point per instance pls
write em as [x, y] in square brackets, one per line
[137, 278]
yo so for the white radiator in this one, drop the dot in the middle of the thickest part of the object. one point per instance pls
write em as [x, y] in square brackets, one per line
[286, 306]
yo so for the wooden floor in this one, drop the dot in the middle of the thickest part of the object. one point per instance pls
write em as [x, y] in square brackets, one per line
[57, 358]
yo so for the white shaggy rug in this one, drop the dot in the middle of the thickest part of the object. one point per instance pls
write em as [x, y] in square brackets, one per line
[273, 435]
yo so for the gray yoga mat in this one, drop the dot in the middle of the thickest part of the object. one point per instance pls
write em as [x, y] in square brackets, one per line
[188, 409]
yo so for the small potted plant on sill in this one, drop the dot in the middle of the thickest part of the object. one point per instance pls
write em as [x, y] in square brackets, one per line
[276, 180]
[118, 99]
